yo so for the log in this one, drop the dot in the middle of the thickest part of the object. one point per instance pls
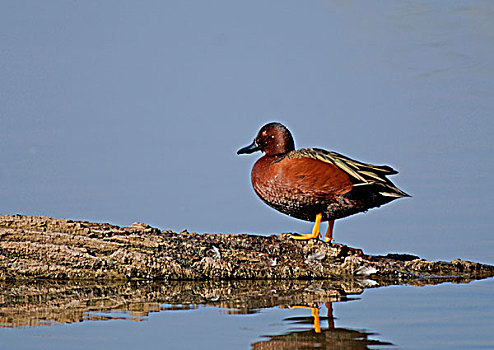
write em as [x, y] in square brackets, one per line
[40, 247]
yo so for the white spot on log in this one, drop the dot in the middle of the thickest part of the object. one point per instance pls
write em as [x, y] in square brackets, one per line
[316, 257]
[365, 270]
[216, 252]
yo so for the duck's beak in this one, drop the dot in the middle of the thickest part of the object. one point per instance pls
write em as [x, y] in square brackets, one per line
[253, 147]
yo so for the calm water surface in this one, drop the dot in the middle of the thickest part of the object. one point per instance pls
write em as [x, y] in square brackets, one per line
[123, 113]
[243, 315]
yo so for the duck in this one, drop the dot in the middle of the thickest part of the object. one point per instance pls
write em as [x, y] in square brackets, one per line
[313, 184]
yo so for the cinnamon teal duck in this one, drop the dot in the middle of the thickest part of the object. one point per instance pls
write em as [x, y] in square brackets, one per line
[313, 184]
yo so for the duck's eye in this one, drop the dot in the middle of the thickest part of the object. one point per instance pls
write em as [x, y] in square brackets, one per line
[264, 133]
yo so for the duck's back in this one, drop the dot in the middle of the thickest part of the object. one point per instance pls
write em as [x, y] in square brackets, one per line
[305, 182]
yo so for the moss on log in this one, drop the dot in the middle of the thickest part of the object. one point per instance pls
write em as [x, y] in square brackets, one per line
[33, 247]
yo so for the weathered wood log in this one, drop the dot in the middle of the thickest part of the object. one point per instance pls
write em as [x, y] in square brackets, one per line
[41, 247]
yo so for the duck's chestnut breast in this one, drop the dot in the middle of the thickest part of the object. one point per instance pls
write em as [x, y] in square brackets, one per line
[291, 185]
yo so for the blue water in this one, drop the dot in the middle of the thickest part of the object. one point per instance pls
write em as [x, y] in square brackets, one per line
[449, 316]
[446, 316]
[122, 112]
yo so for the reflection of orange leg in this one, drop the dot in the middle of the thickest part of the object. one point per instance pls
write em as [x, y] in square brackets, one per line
[316, 230]
[315, 314]
[317, 322]
[329, 233]
[329, 306]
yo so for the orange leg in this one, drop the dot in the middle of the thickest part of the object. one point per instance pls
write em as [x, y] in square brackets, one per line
[316, 230]
[329, 233]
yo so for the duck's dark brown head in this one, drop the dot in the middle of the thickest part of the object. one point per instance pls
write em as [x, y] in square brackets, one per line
[272, 139]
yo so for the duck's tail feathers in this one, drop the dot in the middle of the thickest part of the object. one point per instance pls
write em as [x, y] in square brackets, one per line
[394, 195]
[360, 173]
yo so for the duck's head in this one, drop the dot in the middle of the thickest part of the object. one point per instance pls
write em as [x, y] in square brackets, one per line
[272, 139]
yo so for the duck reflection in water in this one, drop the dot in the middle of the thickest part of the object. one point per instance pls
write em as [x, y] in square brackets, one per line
[329, 338]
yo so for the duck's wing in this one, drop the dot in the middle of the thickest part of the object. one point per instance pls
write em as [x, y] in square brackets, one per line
[360, 173]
